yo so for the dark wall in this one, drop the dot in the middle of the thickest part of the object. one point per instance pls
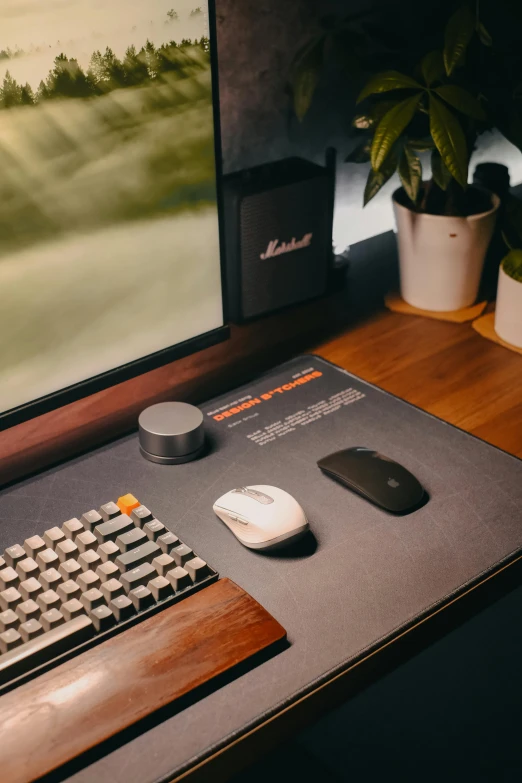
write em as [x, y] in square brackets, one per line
[256, 44]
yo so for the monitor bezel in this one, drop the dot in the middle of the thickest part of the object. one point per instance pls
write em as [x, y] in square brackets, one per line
[125, 372]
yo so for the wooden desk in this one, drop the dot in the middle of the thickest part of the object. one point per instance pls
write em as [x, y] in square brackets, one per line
[446, 369]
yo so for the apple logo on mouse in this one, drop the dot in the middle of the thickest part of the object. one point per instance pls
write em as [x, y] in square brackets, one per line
[393, 483]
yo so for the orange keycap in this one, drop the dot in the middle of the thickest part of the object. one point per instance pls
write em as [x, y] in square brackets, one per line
[127, 503]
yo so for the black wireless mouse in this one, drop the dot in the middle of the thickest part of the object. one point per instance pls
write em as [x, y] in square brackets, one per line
[376, 477]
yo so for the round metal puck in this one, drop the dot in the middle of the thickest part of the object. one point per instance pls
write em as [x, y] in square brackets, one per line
[171, 433]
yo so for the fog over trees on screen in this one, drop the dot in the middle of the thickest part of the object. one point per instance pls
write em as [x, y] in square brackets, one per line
[105, 73]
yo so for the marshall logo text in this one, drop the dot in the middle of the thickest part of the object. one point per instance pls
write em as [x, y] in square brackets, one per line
[276, 249]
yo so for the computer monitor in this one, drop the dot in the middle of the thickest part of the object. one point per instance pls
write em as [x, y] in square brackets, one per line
[110, 219]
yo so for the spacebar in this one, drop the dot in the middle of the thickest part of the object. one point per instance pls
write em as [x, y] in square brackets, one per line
[32, 654]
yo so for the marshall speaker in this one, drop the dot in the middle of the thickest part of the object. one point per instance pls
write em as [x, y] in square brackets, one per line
[278, 220]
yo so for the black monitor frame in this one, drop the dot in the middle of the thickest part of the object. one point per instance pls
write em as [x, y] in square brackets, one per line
[145, 364]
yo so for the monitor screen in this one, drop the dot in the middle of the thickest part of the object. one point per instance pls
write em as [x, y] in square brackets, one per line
[109, 227]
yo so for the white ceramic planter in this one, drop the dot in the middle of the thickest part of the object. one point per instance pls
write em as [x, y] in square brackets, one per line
[508, 310]
[441, 258]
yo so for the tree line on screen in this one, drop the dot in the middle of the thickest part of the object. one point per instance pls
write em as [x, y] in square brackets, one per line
[106, 72]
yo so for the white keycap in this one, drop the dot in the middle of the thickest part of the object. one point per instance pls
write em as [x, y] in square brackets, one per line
[179, 578]
[8, 619]
[108, 571]
[89, 560]
[9, 599]
[72, 528]
[88, 580]
[28, 610]
[66, 550]
[160, 588]
[72, 608]
[122, 607]
[8, 578]
[34, 545]
[51, 619]
[48, 600]
[53, 536]
[9, 640]
[111, 589]
[27, 568]
[31, 588]
[92, 598]
[50, 579]
[163, 563]
[108, 551]
[47, 558]
[31, 629]
[70, 569]
[86, 541]
[13, 555]
[68, 590]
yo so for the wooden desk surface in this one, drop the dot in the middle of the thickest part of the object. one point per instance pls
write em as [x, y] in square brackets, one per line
[446, 369]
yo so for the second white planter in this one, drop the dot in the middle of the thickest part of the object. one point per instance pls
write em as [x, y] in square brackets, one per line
[508, 310]
[441, 258]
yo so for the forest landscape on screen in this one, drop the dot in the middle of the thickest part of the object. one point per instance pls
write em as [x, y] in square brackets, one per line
[109, 238]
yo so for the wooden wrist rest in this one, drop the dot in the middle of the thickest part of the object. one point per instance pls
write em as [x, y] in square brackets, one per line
[93, 696]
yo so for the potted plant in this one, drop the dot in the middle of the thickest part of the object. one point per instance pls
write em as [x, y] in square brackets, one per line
[440, 106]
[508, 310]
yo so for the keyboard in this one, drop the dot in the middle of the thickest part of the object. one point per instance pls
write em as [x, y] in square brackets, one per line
[90, 578]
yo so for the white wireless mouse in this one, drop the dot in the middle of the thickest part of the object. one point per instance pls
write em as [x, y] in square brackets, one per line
[262, 517]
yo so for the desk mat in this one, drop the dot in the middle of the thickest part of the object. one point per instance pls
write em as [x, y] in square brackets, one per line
[364, 575]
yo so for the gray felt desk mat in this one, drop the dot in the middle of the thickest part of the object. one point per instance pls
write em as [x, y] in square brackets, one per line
[370, 575]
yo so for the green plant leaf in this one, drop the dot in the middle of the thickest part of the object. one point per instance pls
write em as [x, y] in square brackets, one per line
[449, 139]
[512, 264]
[376, 179]
[306, 71]
[462, 100]
[410, 172]
[439, 172]
[360, 154]
[386, 81]
[432, 67]
[458, 34]
[484, 36]
[390, 128]
[421, 145]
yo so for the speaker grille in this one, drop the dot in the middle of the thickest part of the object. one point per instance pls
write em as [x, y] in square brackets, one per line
[275, 217]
